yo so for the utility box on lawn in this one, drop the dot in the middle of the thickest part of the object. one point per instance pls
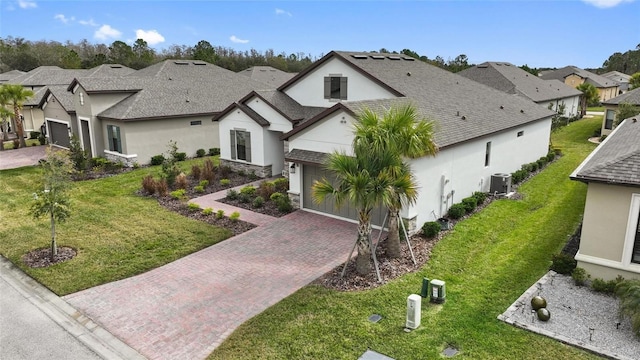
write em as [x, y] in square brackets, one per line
[438, 291]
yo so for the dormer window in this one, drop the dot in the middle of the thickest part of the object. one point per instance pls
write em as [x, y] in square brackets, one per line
[335, 87]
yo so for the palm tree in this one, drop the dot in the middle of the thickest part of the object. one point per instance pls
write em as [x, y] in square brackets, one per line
[4, 114]
[589, 96]
[402, 133]
[365, 181]
[16, 96]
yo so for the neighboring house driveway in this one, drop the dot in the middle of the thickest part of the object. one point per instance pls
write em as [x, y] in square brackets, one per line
[185, 309]
[11, 159]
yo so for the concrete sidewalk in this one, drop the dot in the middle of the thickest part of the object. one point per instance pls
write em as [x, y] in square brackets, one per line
[36, 324]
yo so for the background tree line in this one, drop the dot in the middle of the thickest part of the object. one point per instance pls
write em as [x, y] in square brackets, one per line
[25, 55]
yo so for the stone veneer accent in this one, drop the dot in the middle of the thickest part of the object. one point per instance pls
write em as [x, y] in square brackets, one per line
[260, 171]
[295, 200]
[124, 159]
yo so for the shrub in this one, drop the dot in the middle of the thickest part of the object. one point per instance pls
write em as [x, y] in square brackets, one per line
[602, 138]
[162, 188]
[600, 285]
[214, 151]
[207, 211]
[42, 139]
[580, 276]
[198, 189]
[235, 216]
[276, 196]
[204, 183]
[282, 184]
[136, 165]
[157, 159]
[225, 182]
[242, 173]
[77, 155]
[284, 204]
[541, 162]
[456, 211]
[193, 206]
[629, 293]
[208, 171]
[181, 156]
[34, 135]
[149, 184]
[16, 143]
[249, 190]
[196, 172]
[244, 198]
[200, 153]
[225, 171]
[469, 204]
[219, 214]
[181, 181]
[430, 229]
[480, 197]
[551, 155]
[232, 194]
[519, 175]
[178, 194]
[252, 175]
[563, 263]
[258, 202]
[266, 189]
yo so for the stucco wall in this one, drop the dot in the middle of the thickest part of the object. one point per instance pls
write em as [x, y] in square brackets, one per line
[276, 120]
[573, 80]
[310, 90]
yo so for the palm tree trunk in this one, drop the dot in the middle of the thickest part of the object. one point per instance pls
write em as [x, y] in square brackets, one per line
[19, 127]
[363, 260]
[54, 247]
[393, 237]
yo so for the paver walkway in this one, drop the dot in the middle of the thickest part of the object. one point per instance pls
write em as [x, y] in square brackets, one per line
[185, 309]
[11, 159]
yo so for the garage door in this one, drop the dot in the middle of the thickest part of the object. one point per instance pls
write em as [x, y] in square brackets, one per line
[312, 173]
[59, 134]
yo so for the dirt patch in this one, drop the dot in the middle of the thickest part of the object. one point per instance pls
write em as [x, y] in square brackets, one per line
[40, 258]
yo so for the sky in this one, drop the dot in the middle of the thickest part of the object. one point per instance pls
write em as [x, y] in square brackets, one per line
[542, 33]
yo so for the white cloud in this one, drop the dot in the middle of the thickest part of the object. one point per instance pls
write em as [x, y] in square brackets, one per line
[604, 4]
[89, 22]
[237, 40]
[27, 4]
[63, 18]
[283, 12]
[105, 32]
[152, 37]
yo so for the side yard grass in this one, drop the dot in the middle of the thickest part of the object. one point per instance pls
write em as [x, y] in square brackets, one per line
[487, 261]
[116, 233]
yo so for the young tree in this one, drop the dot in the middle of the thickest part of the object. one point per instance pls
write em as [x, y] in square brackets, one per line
[16, 95]
[634, 81]
[589, 96]
[403, 133]
[625, 111]
[53, 200]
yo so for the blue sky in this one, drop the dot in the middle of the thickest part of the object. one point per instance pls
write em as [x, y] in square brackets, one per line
[543, 33]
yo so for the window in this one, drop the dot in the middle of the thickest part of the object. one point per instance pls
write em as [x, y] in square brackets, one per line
[335, 87]
[113, 135]
[81, 99]
[608, 124]
[241, 145]
[196, 122]
[635, 256]
[487, 154]
[520, 133]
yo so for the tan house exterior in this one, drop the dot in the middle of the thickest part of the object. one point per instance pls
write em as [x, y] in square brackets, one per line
[574, 76]
[610, 239]
[611, 107]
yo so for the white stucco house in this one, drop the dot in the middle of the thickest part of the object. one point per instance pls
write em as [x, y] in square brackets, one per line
[480, 131]
[552, 94]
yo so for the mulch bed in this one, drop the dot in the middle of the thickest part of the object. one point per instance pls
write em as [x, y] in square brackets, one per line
[39, 258]
[269, 207]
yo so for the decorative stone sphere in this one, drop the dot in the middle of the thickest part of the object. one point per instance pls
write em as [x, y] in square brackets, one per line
[544, 314]
[538, 302]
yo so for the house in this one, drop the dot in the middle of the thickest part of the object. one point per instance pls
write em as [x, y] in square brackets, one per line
[132, 118]
[268, 75]
[610, 106]
[503, 76]
[574, 76]
[480, 131]
[621, 78]
[7, 76]
[610, 240]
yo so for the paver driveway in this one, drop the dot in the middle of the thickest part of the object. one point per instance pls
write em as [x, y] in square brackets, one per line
[185, 309]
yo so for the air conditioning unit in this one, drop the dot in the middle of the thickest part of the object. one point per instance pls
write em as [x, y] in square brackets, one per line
[500, 183]
[414, 304]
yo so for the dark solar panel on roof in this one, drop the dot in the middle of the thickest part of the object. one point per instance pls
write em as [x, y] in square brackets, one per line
[359, 56]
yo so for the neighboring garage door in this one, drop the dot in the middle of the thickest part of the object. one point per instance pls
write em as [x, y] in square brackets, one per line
[59, 134]
[312, 173]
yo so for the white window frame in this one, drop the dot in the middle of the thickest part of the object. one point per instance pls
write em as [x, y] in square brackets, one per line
[110, 128]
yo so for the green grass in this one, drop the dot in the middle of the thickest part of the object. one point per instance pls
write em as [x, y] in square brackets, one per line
[595, 108]
[8, 145]
[488, 261]
[117, 233]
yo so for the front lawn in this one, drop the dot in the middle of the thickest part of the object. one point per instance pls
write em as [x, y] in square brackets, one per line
[116, 232]
[487, 261]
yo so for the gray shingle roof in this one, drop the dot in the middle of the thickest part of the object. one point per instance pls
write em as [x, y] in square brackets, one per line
[64, 97]
[53, 75]
[513, 80]
[597, 80]
[36, 99]
[6, 76]
[289, 107]
[617, 159]
[631, 97]
[305, 157]
[462, 108]
[268, 75]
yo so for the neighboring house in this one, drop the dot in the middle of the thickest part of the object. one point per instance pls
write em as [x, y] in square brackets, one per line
[508, 78]
[480, 131]
[132, 118]
[621, 78]
[268, 75]
[610, 106]
[40, 78]
[574, 76]
[610, 240]
[7, 76]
